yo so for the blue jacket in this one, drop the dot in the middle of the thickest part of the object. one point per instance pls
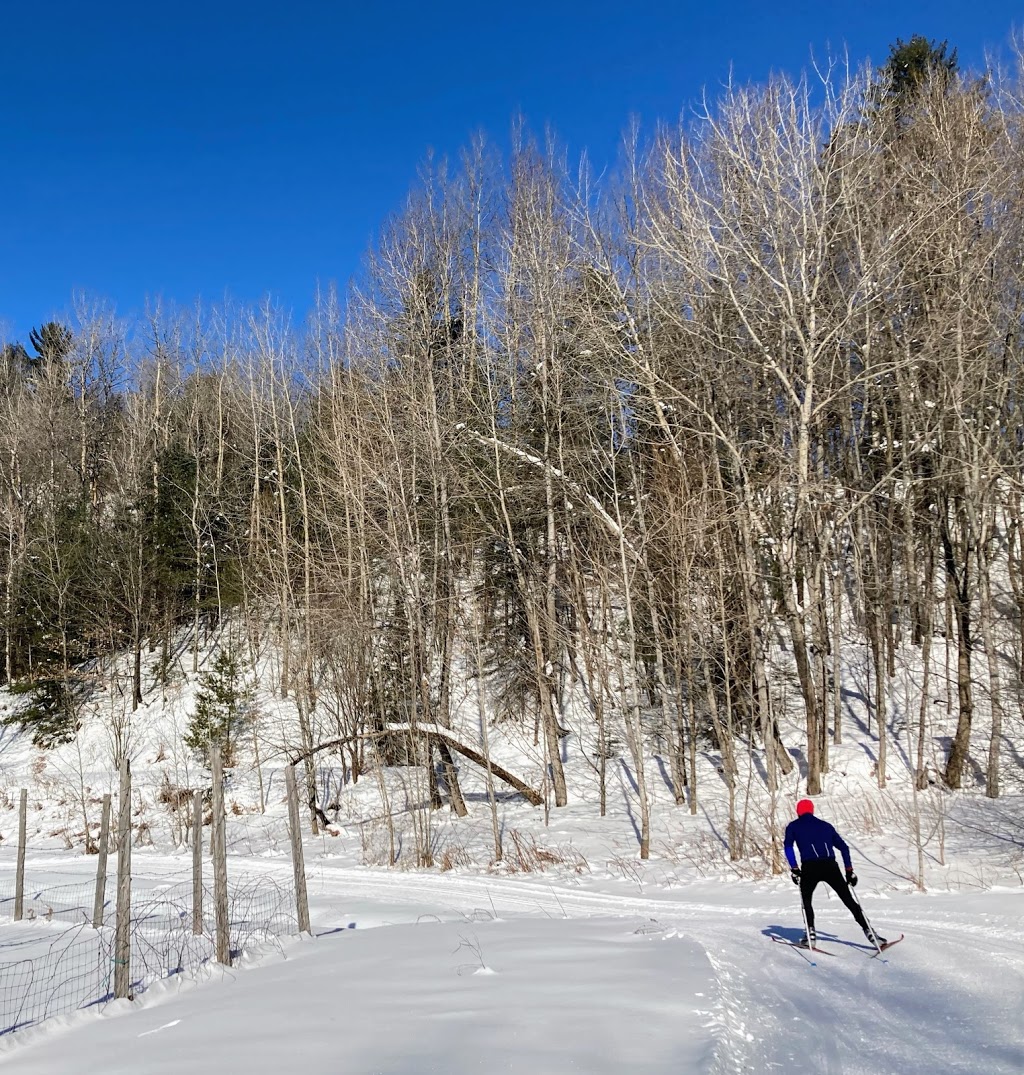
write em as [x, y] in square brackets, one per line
[815, 839]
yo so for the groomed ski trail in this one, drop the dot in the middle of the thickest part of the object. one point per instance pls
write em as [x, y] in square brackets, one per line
[946, 999]
[925, 1006]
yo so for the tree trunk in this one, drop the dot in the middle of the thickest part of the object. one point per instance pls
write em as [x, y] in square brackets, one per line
[957, 581]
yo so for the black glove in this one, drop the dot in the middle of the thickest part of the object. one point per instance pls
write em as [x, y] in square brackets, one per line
[795, 875]
[851, 878]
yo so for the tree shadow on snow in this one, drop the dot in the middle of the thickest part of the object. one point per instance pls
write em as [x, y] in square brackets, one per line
[859, 695]
[629, 775]
[714, 829]
[499, 796]
[762, 769]
[801, 762]
[1009, 745]
[1013, 832]
[627, 799]
[665, 774]
[868, 750]
[980, 776]
[716, 761]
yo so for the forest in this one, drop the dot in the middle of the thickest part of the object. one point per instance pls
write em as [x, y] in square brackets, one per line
[643, 437]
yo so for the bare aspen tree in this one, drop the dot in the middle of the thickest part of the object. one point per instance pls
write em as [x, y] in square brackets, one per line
[13, 406]
[750, 215]
[535, 258]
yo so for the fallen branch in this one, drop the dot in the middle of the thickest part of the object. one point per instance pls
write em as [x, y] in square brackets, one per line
[441, 735]
[435, 731]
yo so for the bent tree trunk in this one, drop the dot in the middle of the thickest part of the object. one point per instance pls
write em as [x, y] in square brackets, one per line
[436, 735]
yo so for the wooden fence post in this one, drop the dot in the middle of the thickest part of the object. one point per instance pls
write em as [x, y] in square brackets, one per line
[298, 862]
[197, 862]
[122, 926]
[19, 878]
[101, 866]
[220, 863]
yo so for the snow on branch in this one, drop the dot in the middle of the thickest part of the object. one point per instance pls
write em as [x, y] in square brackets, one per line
[435, 731]
[554, 471]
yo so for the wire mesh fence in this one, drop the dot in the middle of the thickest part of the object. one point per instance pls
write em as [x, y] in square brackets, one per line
[55, 962]
[55, 975]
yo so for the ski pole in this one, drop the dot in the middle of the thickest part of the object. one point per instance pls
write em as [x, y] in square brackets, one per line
[871, 928]
[803, 915]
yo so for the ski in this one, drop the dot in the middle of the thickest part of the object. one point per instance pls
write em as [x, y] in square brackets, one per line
[870, 949]
[888, 944]
[802, 947]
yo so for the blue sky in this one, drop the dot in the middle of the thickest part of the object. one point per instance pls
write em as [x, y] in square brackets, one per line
[201, 150]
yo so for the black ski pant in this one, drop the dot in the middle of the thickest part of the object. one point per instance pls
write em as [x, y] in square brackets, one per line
[815, 870]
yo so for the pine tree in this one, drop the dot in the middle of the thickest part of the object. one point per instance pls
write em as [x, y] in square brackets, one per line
[223, 709]
[50, 711]
[912, 67]
[52, 344]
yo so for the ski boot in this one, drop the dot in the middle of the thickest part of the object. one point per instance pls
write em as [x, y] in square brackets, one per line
[809, 939]
[874, 938]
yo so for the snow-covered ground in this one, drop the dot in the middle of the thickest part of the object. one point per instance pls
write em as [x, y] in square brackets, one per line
[417, 972]
[590, 961]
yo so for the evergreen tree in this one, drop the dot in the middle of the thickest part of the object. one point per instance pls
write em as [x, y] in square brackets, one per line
[50, 711]
[911, 68]
[223, 709]
[52, 344]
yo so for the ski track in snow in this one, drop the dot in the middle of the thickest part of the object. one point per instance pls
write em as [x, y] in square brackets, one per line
[925, 1006]
[946, 1000]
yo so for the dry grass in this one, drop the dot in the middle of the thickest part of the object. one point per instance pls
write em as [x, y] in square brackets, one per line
[524, 855]
[627, 867]
[375, 842]
[453, 857]
[173, 795]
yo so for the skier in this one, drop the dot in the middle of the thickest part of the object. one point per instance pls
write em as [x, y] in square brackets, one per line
[817, 840]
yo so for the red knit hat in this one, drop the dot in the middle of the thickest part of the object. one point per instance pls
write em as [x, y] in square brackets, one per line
[804, 806]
